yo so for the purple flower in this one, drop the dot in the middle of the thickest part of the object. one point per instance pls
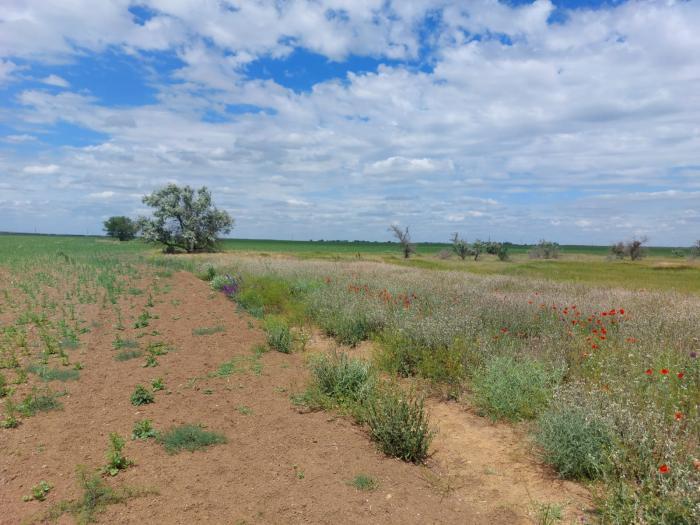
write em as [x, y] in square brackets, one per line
[693, 354]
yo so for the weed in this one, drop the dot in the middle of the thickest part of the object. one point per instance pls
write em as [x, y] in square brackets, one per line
[548, 513]
[120, 343]
[208, 331]
[364, 482]
[3, 386]
[143, 320]
[513, 390]
[574, 443]
[341, 378]
[158, 384]
[151, 361]
[141, 396]
[279, 337]
[53, 374]
[37, 401]
[399, 424]
[39, 491]
[245, 410]
[143, 430]
[189, 437]
[116, 460]
[126, 355]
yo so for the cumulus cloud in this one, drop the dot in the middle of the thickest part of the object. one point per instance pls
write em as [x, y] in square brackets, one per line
[480, 116]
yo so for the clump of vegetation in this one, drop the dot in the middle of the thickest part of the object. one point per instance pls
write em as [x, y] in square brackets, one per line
[341, 378]
[141, 396]
[96, 496]
[575, 443]
[399, 424]
[143, 320]
[208, 330]
[633, 249]
[151, 361]
[3, 386]
[404, 239]
[126, 355]
[143, 429]
[279, 336]
[158, 384]
[116, 460]
[364, 482]
[460, 246]
[54, 374]
[189, 437]
[544, 250]
[514, 390]
[39, 491]
[38, 401]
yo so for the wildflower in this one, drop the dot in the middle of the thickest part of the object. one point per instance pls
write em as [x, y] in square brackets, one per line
[622, 311]
[664, 468]
[678, 416]
[504, 330]
[693, 354]
[594, 346]
[680, 375]
[664, 371]
[696, 464]
[648, 371]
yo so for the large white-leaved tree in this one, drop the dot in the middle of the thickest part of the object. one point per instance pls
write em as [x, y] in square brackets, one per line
[184, 218]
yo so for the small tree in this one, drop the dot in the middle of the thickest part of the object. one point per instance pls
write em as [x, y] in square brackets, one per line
[695, 250]
[460, 246]
[184, 219]
[545, 250]
[618, 250]
[404, 239]
[120, 227]
[635, 248]
[477, 248]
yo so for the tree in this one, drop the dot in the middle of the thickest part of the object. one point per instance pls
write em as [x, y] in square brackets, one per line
[184, 219]
[477, 248]
[120, 227]
[635, 248]
[404, 239]
[460, 246]
[695, 250]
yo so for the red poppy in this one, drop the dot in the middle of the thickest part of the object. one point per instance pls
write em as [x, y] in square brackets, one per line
[664, 371]
[648, 371]
[612, 312]
[664, 468]
[678, 416]
[622, 311]
[680, 375]
[594, 346]
[504, 330]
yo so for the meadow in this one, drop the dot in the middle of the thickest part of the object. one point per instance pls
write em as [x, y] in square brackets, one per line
[594, 360]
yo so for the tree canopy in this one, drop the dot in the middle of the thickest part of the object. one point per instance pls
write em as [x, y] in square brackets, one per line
[184, 218]
[121, 227]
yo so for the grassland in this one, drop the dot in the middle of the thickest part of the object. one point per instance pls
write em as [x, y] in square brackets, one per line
[595, 358]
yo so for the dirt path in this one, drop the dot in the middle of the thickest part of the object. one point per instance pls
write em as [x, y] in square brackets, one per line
[278, 466]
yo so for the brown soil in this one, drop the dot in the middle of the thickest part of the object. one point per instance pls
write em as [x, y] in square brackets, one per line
[279, 465]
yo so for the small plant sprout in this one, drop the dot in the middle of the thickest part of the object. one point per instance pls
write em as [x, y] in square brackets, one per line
[158, 384]
[143, 430]
[116, 460]
[364, 482]
[39, 491]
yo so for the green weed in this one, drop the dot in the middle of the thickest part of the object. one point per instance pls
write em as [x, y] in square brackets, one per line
[143, 430]
[208, 331]
[126, 355]
[54, 374]
[116, 460]
[39, 491]
[189, 437]
[364, 482]
[141, 396]
[279, 337]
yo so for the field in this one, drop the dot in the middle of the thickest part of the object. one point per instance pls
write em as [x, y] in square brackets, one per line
[281, 382]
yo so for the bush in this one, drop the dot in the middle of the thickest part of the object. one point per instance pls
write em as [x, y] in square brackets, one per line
[545, 250]
[279, 337]
[189, 437]
[574, 443]
[141, 396]
[120, 227]
[399, 424]
[348, 327]
[513, 390]
[341, 378]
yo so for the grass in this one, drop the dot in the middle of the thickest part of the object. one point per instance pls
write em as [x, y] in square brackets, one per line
[279, 336]
[38, 401]
[364, 482]
[126, 355]
[54, 374]
[189, 437]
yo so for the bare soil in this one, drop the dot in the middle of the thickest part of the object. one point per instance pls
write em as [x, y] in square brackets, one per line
[279, 465]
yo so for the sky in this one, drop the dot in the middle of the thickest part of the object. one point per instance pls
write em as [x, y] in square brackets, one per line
[575, 121]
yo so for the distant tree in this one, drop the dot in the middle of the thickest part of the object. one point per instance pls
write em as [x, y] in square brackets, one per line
[478, 247]
[460, 246]
[185, 219]
[498, 249]
[695, 250]
[404, 238]
[635, 248]
[120, 227]
[618, 250]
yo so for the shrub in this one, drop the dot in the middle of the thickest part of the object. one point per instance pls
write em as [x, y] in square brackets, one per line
[141, 396]
[189, 437]
[404, 239]
[341, 378]
[545, 250]
[574, 443]
[349, 327]
[399, 424]
[116, 460]
[513, 390]
[120, 227]
[279, 337]
[695, 250]
[460, 246]
[143, 430]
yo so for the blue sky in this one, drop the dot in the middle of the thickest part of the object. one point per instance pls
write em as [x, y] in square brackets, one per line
[575, 121]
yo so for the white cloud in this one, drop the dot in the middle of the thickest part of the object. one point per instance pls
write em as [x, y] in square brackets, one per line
[41, 169]
[55, 80]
